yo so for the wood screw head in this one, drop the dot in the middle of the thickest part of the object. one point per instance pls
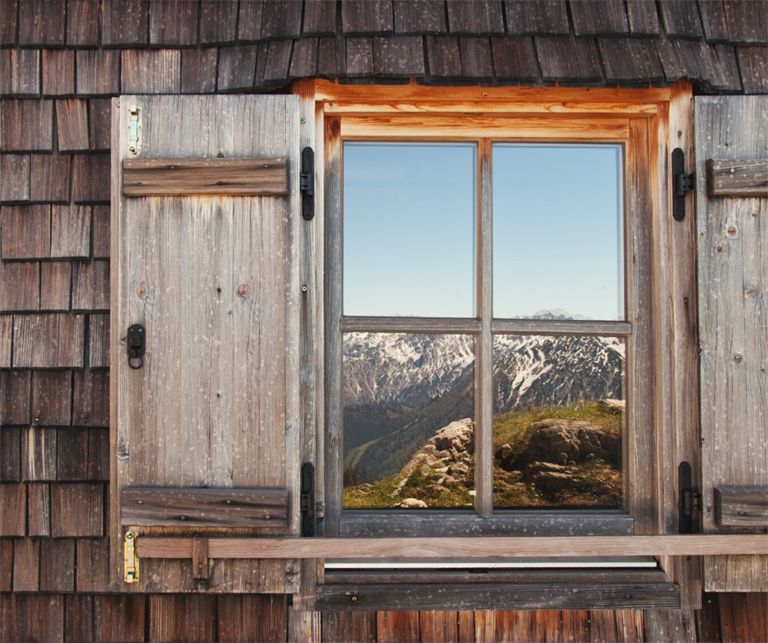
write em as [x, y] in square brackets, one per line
[627, 596]
[303, 120]
[354, 598]
[229, 502]
[141, 502]
[741, 513]
[182, 517]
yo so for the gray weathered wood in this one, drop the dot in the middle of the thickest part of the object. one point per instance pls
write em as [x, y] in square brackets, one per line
[187, 507]
[180, 177]
[49, 178]
[561, 327]
[737, 178]
[741, 506]
[48, 341]
[408, 325]
[150, 71]
[21, 286]
[98, 341]
[219, 409]
[98, 72]
[70, 231]
[498, 596]
[733, 334]
[14, 178]
[21, 72]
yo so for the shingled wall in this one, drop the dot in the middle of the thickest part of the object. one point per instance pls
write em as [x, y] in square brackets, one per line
[60, 62]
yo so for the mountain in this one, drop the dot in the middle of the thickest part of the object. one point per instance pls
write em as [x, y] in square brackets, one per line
[400, 388]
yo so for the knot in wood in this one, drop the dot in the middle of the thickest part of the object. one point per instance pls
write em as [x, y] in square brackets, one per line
[731, 230]
[243, 290]
[141, 290]
[738, 358]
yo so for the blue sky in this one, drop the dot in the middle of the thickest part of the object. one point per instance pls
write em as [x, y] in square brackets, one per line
[409, 231]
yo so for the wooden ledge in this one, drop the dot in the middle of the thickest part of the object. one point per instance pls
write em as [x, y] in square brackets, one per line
[484, 547]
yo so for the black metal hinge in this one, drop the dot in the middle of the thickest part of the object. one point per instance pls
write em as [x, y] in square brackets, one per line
[690, 499]
[681, 183]
[307, 499]
[308, 183]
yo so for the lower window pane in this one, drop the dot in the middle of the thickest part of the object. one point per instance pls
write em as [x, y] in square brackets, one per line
[408, 420]
[559, 417]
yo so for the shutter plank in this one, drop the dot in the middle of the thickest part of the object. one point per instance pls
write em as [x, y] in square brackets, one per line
[737, 178]
[741, 506]
[187, 507]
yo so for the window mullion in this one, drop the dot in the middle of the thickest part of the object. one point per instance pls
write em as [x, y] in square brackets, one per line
[484, 372]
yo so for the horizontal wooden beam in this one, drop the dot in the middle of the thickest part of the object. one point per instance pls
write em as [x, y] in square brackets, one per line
[741, 506]
[552, 108]
[185, 507]
[560, 326]
[497, 596]
[498, 547]
[391, 94]
[182, 177]
[737, 178]
[408, 325]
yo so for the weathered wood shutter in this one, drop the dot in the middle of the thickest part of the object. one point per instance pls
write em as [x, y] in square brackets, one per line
[733, 275]
[205, 433]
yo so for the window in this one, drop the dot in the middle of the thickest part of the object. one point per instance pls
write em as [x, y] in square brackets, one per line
[486, 332]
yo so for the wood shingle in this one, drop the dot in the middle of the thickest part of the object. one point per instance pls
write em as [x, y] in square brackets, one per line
[695, 59]
[13, 509]
[58, 72]
[253, 618]
[568, 59]
[51, 398]
[237, 68]
[280, 19]
[359, 57]
[9, 13]
[547, 18]
[366, 17]
[643, 18]
[10, 454]
[150, 71]
[83, 19]
[172, 23]
[476, 59]
[21, 286]
[78, 625]
[42, 23]
[57, 565]
[70, 231]
[444, 58]
[93, 576]
[27, 125]
[98, 72]
[278, 62]
[101, 231]
[33, 617]
[747, 21]
[14, 178]
[124, 23]
[91, 178]
[399, 57]
[182, 618]
[198, 70]
[681, 19]
[26, 232]
[26, 566]
[99, 123]
[72, 125]
[91, 399]
[49, 178]
[72, 455]
[90, 285]
[319, 18]
[753, 65]
[218, 22]
[599, 17]
[48, 341]
[55, 284]
[39, 509]
[332, 58]
[6, 342]
[21, 72]
[15, 389]
[515, 59]
[481, 18]
[420, 18]
[249, 20]
[77, 509]
[712, 13]
[304, 58]
[38, 454]
[6, 566]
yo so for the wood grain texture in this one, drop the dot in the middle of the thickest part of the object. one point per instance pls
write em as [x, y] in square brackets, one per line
[737, 178]
[332, 57]
[569, 59]
[643, 18]
[9, 13]
[218, 21]
[249, 20]
[476, 62]
[42, 23]
[363, 17]
[89, 178]
[232, 507]
[77, 510]
[319, 18]
[100, 236]
[182, 618]
[49, 178]
[6, 339]
[83, 20]
[733, 337]
[743, 616]
[151, 71]
[48, 341]
[349, 627]
[747, 21]
[124, 23]
[443, 58]
[212, 176]
[22, 72]
[237, 67]
[514, 59]
[27, 125]
[14, 178]
[99, 123]
[98, 72]
[26, 232]
[741, 506]
[33, 617]
[484, 17]
[93, 576]
[10, 454]
[399, 57]
[21, 286]
[72, 454]
[198, 70]
[547, 18]
[397, 627]
[172, 23]
[78, 625]
[38, 454]
[6, 565]
[628, 59]
[280, 19]
[72, 125]
[13, 514]
[58, 72]
[26, 565]
[51, 398]
[681, 19]
[252, 618]
[70, 231]
[98, 341]
[754, 69]
[495, 596]
[90, 285]
[304, 59]
[57, 565]
[599, 17]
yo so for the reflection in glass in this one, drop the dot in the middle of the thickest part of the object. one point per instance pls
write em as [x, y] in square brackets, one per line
[409, 229]
[558, 426]
[408, 420]
[557, 232]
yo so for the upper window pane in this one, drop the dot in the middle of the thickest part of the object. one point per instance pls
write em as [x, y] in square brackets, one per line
[557, 231]
[409, 212]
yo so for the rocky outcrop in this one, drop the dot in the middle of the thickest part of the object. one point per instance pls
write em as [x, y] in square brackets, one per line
[457, 436]
[563, 442]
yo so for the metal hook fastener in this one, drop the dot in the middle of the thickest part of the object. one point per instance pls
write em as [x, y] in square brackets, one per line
[136, 345]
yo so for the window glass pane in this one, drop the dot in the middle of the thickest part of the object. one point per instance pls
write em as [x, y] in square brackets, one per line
[557, 231]
[558, 425]
[409, 229]
[408, 420]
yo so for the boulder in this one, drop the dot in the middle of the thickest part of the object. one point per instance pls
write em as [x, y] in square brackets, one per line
[412, 503]
[550, 478]
[458, 436]
[614, 406]
[564, 442]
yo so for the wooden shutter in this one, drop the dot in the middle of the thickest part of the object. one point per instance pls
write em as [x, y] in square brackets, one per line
[205, 433]
[733, 275]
